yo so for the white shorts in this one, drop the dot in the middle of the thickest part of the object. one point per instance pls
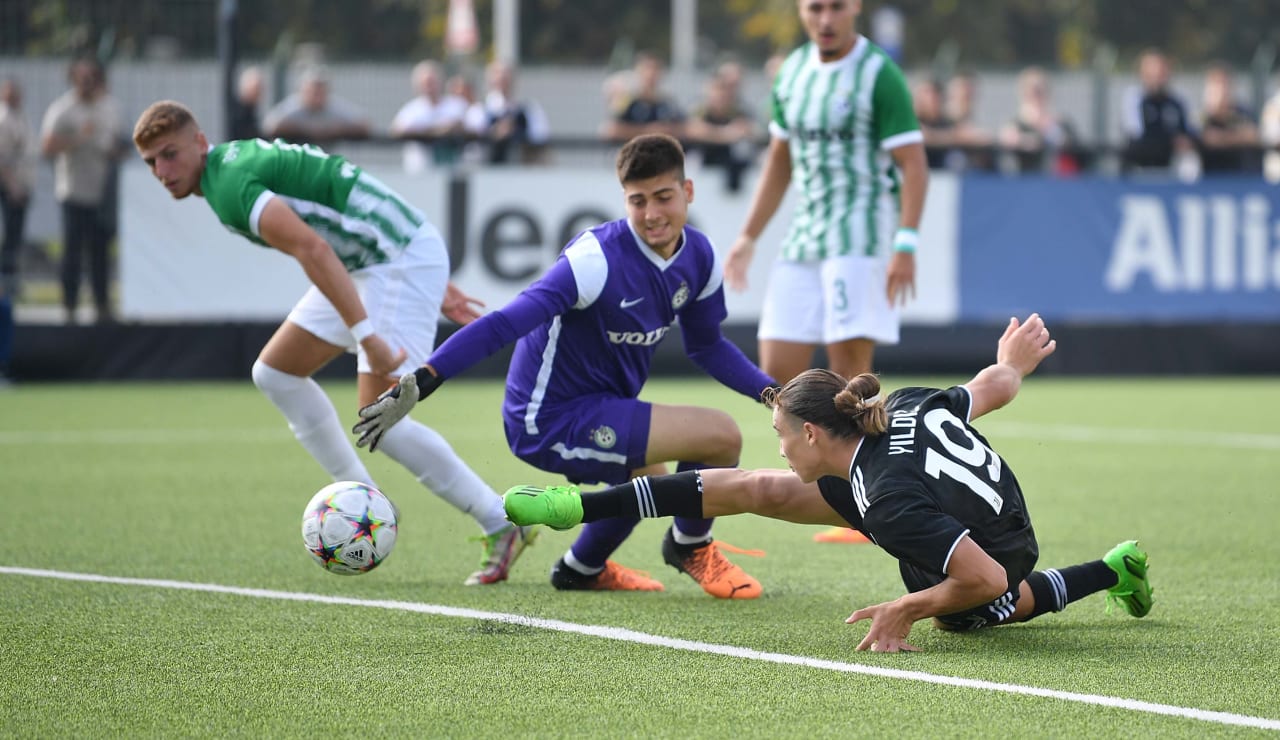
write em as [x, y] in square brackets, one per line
[829, 301]
[402, 298]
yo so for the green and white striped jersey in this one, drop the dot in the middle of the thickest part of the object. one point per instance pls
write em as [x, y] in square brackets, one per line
[364, 221]
[840, 120]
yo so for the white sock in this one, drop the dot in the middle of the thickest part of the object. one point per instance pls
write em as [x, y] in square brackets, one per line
[430, 458]
[577, 565]
[683, 539]
[314, 421]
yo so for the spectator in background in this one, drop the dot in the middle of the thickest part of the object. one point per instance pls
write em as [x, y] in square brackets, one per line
[1269, 132]
[1228, 135]
[314, 115]
[938, 129]
[17, 177]
[729, 72]
[616, 90]
[473, 118]
[433, 122]
[517, 129]
[82, 132]
[961, 97]
[245, 120]
[1041, 139]
[6, 338]
[648, 110]
[722, 130]
[1155, 118]
[771, 67]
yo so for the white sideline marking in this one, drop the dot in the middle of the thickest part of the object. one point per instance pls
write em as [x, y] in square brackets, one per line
[1056, 432]
[184, 436]
[641, 638]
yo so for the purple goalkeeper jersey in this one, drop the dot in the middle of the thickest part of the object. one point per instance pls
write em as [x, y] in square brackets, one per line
[591, 324]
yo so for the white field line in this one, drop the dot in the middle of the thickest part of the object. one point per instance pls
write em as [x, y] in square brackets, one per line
[641, 638]
[181, 436]
[1053, 432]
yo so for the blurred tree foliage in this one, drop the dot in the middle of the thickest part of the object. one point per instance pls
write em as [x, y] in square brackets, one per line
[973, 33]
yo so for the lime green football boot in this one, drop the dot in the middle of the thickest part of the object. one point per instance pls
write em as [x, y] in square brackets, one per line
[1133, 590]
[558, 507]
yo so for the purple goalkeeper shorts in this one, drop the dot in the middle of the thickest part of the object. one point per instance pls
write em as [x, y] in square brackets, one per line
[594, 439]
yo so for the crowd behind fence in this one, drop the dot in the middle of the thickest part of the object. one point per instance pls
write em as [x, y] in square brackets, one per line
[575, 117]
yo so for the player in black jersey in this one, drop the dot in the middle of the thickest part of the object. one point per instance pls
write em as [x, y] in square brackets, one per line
[909, 472]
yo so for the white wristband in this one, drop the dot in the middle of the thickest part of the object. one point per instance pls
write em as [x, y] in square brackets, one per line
[906, 240]
[362, 330]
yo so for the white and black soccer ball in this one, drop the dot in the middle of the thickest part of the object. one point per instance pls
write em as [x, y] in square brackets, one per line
[349, 527]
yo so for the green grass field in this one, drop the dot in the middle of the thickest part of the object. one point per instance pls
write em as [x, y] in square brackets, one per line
[203, 484]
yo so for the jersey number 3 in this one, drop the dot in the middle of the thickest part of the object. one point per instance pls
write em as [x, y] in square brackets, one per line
[972, 464]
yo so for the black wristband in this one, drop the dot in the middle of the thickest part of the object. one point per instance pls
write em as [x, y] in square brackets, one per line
[428, 381]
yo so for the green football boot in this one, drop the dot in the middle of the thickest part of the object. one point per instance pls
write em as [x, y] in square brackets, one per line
[558, 507]
[1133, 590]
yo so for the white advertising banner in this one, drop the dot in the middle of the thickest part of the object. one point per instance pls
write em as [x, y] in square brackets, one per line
[179, 264]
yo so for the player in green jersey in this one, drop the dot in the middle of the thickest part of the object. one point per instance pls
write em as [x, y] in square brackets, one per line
[844, 134]
[380, 279]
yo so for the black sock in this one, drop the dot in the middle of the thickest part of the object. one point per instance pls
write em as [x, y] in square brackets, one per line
[647, 496]
[1054, 588]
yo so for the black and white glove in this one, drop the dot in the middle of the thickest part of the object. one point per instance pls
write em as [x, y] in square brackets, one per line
[394, 405]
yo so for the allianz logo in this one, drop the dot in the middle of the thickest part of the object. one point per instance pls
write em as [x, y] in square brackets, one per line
[638, 338]
[1195, 244]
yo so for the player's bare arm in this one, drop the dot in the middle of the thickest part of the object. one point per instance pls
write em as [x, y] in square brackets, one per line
[973, 578]
[280, 227]
[1019, 352]
[900, 283]
[775, 177]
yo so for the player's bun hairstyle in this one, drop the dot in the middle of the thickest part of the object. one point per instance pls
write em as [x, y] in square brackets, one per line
[650, 155]
[846, 408]
[160, 118]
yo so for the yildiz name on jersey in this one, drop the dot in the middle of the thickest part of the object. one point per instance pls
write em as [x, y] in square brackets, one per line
[1191, 243]
[638, 338]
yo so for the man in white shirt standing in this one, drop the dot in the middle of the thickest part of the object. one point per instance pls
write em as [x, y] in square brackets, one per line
[429, 120]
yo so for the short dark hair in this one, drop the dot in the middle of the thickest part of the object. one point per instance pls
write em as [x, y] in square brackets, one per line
[650, 155]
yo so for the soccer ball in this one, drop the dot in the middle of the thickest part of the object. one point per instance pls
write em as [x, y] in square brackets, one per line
[349, 527]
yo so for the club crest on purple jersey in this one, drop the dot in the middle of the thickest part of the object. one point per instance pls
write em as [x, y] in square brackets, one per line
[681, 297]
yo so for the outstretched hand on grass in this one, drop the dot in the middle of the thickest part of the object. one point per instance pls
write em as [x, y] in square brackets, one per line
[890, 626]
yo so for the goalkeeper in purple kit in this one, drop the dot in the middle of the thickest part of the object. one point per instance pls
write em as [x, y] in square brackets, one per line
[585, 335]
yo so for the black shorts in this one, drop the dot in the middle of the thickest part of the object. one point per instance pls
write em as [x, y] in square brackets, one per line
[1018, 564]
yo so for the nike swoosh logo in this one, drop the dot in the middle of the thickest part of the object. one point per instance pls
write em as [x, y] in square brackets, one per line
[628, 304]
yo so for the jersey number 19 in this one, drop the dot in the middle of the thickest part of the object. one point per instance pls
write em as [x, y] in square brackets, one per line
[971, 465]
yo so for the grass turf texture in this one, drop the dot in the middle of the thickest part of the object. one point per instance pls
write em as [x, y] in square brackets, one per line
[204, 483]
